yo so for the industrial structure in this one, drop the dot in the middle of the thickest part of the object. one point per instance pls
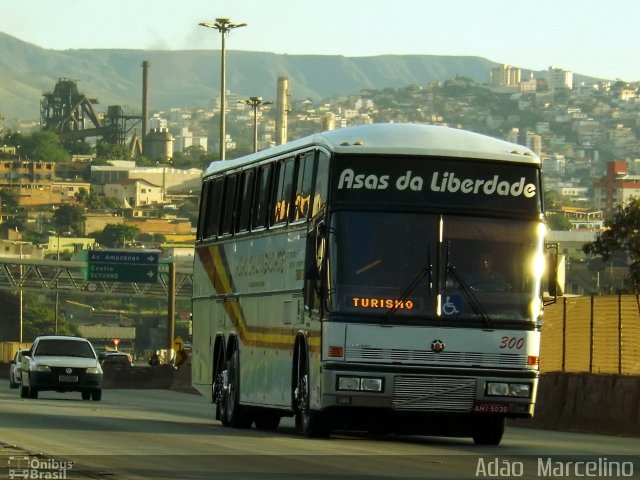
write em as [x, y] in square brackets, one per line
[282, 108]
[70, 114]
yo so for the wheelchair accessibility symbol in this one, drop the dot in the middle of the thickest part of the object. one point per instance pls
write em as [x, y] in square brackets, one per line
[452, 305]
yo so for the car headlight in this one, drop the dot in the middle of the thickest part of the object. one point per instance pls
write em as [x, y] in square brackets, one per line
[94, 370]
[43, 368]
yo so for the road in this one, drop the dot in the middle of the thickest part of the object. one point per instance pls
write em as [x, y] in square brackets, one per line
[142, 434]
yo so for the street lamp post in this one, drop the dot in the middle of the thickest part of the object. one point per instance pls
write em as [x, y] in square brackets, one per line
[223, 25]
[255, 103]
[20, 312]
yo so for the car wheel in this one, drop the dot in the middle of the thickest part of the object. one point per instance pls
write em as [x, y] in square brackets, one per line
[12, 384]
[33, 392]
[86, 395]
[96, 395]
[24, 392]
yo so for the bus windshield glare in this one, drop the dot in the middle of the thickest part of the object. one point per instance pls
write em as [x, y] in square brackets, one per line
[416, 266]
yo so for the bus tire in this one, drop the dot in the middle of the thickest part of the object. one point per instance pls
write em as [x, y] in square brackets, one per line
[237, 415]
[487, 430]
[217, 383]
[309, 422]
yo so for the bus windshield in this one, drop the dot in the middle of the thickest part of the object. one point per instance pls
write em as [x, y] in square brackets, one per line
[417, 266]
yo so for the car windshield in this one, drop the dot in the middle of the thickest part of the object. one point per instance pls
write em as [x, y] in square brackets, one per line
[420, 266]
[64, 348]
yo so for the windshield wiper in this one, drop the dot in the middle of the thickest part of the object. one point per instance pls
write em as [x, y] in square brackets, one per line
[469, 295]
[424, 271]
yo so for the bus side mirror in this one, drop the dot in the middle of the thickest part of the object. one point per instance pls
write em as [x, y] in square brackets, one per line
[555, 267]
[310, 266]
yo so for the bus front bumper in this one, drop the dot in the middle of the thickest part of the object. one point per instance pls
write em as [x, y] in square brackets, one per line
[429, 390]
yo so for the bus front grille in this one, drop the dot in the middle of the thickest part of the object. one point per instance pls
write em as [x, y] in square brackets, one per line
[454, 394]
[359, 354]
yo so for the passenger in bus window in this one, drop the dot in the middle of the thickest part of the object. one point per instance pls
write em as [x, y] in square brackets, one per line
[485, 278]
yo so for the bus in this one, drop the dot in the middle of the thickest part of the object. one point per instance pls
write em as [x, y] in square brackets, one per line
[341, 279]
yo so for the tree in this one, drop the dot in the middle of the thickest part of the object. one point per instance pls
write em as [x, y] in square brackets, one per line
[67, 218]
[44, 147]
[622, 235]
[94, 201]
[108, 151]
[114, 236]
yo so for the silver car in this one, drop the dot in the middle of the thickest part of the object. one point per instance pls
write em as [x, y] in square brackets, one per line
[15, 372]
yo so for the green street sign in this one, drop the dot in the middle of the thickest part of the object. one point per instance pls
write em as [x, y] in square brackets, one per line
[120, 266]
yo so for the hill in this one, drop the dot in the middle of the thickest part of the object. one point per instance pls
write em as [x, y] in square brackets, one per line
[191, 78]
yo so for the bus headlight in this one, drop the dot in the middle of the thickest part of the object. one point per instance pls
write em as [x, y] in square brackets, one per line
[500, 389]
[520, 390]
[365, 384]
[348, 383]
[371, 384]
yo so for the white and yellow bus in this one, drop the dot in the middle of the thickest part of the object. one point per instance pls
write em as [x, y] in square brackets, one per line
[337, 279]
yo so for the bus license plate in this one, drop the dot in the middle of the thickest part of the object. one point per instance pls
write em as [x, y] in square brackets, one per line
[68, 378]
[484, 407]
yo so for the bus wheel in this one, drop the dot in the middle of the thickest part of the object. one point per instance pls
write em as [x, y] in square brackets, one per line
[310, 423]
[488, 430]
[217, 388]
[237, 415]
[266, 420]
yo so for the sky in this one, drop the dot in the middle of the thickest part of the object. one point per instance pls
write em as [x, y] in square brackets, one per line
[588, 37]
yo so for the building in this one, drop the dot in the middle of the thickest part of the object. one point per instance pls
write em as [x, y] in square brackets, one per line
[559, 79]
[134, 192]
[158, 144]
[172, 180]
[616, 188]
[187, 139]
[24, 172]
[505, 76]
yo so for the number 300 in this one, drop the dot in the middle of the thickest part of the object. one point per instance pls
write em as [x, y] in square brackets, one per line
[512, 342]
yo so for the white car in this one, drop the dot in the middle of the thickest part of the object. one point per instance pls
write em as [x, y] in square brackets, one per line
[61, 363]
[15, 372]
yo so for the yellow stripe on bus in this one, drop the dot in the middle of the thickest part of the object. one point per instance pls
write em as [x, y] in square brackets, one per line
[281, 338]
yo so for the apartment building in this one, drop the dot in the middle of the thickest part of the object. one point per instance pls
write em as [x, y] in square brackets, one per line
[617, 187]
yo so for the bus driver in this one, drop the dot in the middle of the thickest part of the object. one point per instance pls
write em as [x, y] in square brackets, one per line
[485, 278]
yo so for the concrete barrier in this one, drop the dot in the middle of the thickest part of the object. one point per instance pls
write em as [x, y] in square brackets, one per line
[160, 377]
[587, 402]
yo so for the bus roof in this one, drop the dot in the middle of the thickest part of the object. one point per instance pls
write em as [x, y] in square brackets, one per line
[397, 139]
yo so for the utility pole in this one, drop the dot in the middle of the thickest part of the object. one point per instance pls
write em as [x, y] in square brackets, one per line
[223, 25]
[255, 103]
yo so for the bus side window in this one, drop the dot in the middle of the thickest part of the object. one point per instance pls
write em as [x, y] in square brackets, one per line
[283, 192]
[246, 196]
[262, 197]
[206, 192]
[212, 208]
[322, 183]
[228, 204]
[302, 197]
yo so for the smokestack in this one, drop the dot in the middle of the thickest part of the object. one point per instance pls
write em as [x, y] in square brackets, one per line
[282, 107]
[145, 100]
